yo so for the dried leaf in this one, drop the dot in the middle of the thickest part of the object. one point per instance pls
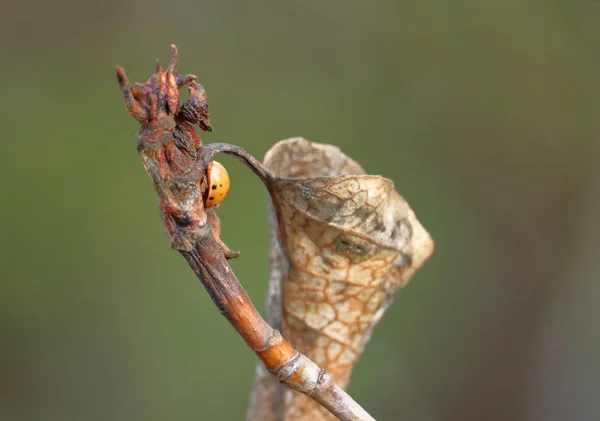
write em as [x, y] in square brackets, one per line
[343, 243]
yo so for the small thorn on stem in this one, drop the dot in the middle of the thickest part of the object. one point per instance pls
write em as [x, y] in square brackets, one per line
[173, 62]
[122, 77]
[131, 103]
[185, 79]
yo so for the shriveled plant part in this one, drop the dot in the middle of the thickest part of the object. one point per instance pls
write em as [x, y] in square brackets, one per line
[342, 244]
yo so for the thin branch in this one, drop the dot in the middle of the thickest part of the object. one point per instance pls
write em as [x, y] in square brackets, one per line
[292, 368]
[242, 155]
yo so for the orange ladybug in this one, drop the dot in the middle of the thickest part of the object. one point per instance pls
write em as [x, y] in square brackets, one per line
[218, 184]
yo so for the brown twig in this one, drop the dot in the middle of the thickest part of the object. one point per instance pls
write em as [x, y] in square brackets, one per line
[176, 161]
[293, 369]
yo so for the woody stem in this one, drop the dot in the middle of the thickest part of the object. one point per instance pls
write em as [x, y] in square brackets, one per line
[293, 369]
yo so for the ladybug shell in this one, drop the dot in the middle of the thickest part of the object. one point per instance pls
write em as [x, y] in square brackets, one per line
[218, 184]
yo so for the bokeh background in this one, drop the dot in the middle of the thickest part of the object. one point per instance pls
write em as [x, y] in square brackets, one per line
[484, 113]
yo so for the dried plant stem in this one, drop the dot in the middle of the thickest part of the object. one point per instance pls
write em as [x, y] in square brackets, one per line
[177, 163]
[293, 369]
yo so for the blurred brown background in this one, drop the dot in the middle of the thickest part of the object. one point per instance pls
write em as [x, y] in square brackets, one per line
[485, 114]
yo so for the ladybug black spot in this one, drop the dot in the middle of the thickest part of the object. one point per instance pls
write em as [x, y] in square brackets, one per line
[214, 187]
[220, 185]
[211, 198]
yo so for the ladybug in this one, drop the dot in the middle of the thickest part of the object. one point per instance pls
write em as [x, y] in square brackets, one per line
[218, 184]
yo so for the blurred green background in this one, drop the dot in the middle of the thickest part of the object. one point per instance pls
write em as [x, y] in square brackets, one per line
[484, 113]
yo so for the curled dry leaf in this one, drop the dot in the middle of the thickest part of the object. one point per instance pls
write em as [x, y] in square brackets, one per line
[342, 243]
